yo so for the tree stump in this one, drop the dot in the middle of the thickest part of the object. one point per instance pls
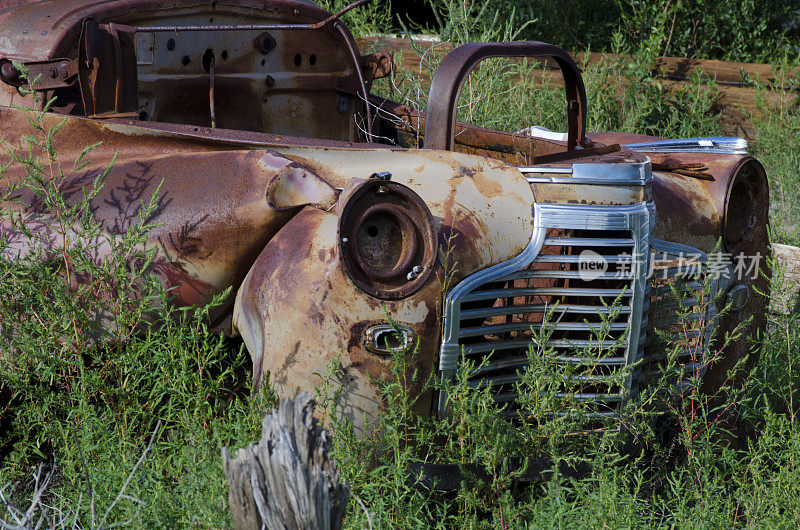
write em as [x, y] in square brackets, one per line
[286, 480]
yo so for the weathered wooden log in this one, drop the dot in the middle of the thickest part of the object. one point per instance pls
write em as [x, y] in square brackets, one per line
[286, 480]
[737, 99]
[675, 68]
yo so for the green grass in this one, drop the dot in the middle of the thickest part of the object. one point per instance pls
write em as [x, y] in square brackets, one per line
[777, 145]
[88, 411]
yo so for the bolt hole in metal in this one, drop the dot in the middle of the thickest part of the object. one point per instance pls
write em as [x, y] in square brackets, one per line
[312, 59]
[343, 104]
[171, 44]
[298, 59]
[186, 60]
[208, 59]
[265, 43]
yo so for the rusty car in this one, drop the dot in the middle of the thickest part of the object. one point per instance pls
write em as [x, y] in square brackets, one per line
[349, 225]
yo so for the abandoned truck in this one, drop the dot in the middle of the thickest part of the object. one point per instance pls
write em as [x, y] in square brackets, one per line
[329, 210]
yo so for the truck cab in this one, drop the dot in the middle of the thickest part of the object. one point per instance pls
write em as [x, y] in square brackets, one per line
[326, 207]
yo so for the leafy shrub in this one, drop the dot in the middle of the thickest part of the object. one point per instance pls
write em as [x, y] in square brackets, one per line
[777, 145]
[370, 18]
[746, 31]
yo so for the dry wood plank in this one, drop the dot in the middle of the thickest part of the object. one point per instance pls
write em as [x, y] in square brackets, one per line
[682, 69]
[286, 481]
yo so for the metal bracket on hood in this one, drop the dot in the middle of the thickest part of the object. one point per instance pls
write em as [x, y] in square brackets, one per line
[41, 75]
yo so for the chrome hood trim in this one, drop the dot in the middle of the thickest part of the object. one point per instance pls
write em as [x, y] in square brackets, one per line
[587, 173]
[712, 144]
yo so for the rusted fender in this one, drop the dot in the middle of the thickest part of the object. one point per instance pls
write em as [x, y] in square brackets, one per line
[297, 309]
[732, 198]
[215, 211]
[694, 211]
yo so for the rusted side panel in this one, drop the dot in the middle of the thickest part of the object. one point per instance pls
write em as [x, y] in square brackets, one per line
[213, 215]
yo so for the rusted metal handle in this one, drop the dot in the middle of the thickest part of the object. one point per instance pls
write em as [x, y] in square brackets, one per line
[440, 116]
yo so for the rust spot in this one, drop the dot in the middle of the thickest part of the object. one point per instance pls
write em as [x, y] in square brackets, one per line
[315, 315]
[488, 187]
[364, 362]
[464, 172]
[357, 333]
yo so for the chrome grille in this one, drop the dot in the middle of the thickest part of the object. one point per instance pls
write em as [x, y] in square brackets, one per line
[491, 317]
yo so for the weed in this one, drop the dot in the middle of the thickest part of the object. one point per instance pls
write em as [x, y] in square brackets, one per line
[89, 375]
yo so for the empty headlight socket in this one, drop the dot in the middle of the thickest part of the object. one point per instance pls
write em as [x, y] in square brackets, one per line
[387, 238]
